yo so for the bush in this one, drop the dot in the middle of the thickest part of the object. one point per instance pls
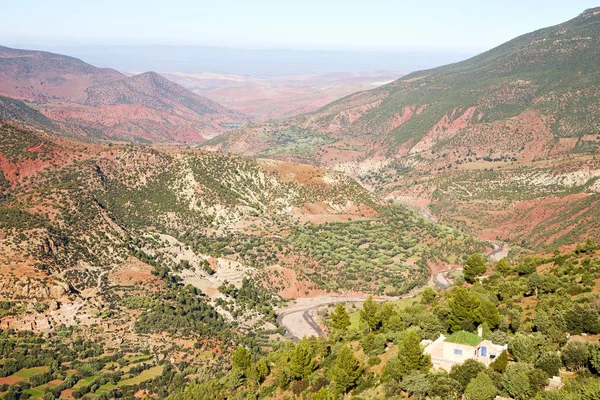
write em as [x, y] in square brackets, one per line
[374, 360]
[550, 363]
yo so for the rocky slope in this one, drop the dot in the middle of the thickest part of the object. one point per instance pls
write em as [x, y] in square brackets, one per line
[526, 108]
[91, 218]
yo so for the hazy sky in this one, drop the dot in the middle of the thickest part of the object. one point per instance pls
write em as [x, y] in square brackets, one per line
[303, 24]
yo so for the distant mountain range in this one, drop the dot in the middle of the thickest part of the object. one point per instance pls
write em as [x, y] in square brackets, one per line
[256, 62]
[103, 103]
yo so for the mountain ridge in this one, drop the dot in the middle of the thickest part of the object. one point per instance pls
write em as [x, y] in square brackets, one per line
[102, 103]
[530, 101]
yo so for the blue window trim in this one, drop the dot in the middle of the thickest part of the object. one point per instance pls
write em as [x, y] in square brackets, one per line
[458, 351]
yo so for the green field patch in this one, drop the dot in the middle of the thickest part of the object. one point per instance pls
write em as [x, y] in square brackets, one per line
[107, 387]
[136, 359]
[34, 392]
[84, 382]
[143, 376]
[26, 373]
[110, 367]
[354, 320]
[403, 303]
[206, 355]
[38, 391]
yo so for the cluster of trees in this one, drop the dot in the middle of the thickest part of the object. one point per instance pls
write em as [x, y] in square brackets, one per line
[182, 312]
[249, 296]
[516, 305]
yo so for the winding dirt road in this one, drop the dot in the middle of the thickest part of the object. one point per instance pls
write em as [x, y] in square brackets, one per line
[298, 319]
[495, 255]
[499, 252]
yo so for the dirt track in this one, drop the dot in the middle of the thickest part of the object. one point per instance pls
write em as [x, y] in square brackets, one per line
[299, 319]
[499, 252]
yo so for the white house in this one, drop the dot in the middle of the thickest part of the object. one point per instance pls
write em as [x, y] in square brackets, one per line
[461, 346]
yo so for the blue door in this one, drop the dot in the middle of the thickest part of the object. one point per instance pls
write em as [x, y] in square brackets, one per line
[484, 351]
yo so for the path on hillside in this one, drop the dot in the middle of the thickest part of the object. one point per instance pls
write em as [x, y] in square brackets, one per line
[498, 252]
[299, 319]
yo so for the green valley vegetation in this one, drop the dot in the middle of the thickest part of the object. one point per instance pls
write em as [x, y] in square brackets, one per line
[350, 363]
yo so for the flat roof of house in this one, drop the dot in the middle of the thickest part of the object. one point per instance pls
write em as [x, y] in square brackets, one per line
[464, 337]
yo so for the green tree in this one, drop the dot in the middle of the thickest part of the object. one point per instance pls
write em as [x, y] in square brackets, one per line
[463, 309]
[524, 348]
[323, 394]
[259, 371]
[481, 388]
[242, 359]
[575, 355]
[373, 344]
[410, 358]
[582, 319]
[395, 324]
[535, 281]
[302, 362]
[465, 372]
[474, 266]
[430, 325]
[487, 313]
[369, 315]
[345, 371]
[550, 363]
[537, 380]
[503, 267]
[443, 387]
[500, 363]
[416, 385]
[387, 311]
[595, 360]
[339, 319]
[428, 295]
[516, 381]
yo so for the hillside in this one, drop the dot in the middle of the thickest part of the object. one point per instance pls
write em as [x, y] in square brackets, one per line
[219, 206]
[176, 251]
[101, 103]
[387, 350]
[528, 110]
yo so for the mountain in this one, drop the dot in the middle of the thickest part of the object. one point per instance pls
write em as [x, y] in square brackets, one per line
[166, 271]
[47, 77]
[507, 136]
[217, 205]
[103, 103]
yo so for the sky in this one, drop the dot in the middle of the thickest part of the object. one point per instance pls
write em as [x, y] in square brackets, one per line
[375, 25]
